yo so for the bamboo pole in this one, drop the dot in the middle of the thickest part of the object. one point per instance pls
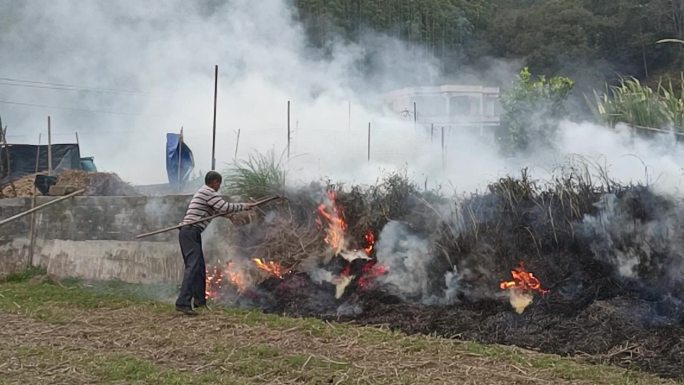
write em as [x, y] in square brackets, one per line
[180, 157]
[443, 151]
[49, 147]
[369, 139]
[27, 212]
[237, 145]
[257, 203]
[213, 141]
[32, 233]
[3, 140]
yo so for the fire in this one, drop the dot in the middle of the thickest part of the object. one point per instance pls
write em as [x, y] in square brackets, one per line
[216, 277]
[522, 286]
[369, 272]
[334, 233]
[335, 238]
[523, 281]
[369, 238]
[213, 282]
[273, 268]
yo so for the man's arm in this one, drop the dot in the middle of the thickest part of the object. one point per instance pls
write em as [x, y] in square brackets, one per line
[223, 207]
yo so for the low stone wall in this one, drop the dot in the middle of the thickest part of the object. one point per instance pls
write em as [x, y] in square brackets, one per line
[94, 238]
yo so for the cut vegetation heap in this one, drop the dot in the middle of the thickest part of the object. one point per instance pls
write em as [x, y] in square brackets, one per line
[591, 266]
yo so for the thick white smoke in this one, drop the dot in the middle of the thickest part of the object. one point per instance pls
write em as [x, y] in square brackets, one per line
[165, 51]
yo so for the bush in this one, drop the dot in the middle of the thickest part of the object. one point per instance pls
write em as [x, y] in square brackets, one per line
[639, 105]
[258, 176]
[531, 110]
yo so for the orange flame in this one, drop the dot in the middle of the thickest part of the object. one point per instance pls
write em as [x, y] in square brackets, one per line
[369, 238]
[213, 282]
[273, 268]
[216, 278]
[334, 233]
[523, 281]
[369, 272]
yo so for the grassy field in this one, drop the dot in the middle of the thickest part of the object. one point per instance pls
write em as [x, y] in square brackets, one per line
[70, 333]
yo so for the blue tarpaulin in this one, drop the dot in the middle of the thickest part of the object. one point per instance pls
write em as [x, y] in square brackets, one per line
[178, 152]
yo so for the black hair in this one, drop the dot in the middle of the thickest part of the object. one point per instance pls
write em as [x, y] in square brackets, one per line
[212, 176]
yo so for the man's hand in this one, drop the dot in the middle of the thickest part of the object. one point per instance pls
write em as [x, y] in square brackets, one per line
[249, 206]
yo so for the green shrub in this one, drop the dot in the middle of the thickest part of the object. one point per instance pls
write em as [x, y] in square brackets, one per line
[257, 176]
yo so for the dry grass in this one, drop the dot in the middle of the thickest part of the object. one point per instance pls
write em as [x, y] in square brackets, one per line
[64, 334]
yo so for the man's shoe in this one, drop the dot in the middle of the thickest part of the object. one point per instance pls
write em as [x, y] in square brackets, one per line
[186, 310]
[204, 306]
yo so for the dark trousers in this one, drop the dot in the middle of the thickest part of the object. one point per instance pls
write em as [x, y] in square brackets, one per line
[194, 276]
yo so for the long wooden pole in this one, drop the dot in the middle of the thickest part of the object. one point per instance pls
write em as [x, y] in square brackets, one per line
[443, 151]
[32, 234]
[237, 145]
[213, 142]
[288, 130]
[3, 140]
[180, 157]
[2, 168]
[369, 130]
[258, 203]
[27, 212]
[49, 147]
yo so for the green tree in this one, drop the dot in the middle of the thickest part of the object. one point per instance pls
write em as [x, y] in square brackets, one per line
[532, 108]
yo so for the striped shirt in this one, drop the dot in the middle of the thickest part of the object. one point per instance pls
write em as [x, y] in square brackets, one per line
[207, 202]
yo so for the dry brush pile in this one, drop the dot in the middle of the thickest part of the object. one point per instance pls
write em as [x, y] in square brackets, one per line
[609, 256]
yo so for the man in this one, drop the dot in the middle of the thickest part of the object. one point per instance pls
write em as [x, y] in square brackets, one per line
[204, 203]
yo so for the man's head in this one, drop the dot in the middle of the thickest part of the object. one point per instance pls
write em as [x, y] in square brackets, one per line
[213, 180]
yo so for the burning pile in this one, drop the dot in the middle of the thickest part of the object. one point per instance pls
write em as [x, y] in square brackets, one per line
[606, 256]
[359, 266]
[336, 238]
[230, 278]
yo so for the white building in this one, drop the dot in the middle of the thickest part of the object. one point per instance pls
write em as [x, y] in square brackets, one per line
[448, 105]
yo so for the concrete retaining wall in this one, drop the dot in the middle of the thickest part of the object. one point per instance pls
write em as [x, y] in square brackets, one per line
[94, 238]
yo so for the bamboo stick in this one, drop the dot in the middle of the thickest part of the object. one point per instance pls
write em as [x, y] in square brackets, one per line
[257, 203]
[32, 234]
[37, 208]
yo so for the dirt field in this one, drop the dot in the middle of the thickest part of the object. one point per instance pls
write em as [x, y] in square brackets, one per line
[70, 334]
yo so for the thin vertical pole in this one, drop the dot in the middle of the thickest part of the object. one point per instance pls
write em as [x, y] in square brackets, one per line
[349, 116]
[49, 146]
[443, 152]
[2, 168]
[213, 141]
[369, 138]
[3, 139]
[415, 116]
[180, 158]
[237, 144]
[288, 129]
[432, 132]
[32, 233]
[77, 142]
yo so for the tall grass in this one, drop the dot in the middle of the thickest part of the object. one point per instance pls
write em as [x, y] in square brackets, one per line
[639, 105]
[257, 176]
